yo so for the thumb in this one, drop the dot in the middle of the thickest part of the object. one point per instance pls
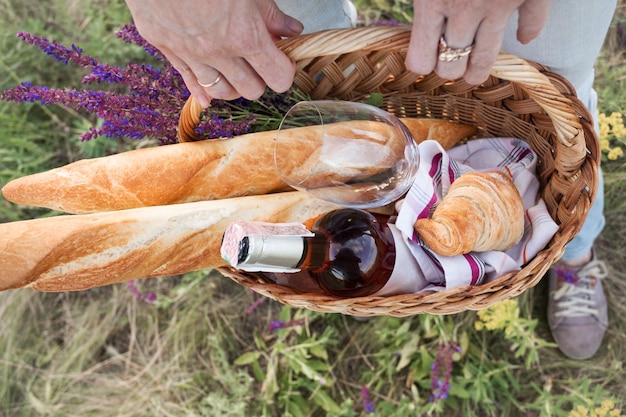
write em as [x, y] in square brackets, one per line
[278, 23]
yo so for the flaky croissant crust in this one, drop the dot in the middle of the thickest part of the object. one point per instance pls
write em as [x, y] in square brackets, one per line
[482, 211]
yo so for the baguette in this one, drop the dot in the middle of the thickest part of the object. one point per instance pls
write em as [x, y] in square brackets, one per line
[447, 133]
[185, 172]
[77, 252]
[482, 211]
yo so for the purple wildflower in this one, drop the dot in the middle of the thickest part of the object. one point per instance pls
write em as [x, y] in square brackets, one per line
[219, 127]
[153, 98]
[61, 53]
[129, 34]
[276, 325]
[255, 305]
[567, 275]
[123, 115]
[441, 371]
[149, 298]
[368, 404]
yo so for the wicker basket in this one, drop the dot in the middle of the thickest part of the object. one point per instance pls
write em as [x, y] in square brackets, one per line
[520, 99]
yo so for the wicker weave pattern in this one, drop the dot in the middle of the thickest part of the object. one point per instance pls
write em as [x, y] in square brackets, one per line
[520, 99]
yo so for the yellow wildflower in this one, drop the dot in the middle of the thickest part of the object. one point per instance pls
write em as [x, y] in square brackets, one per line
[605, 127]
[619, 130]
[615, 153]
[615, 118]
[612, 132]
[606, 409]
[605, 145]
[500, 316]
[579, 411]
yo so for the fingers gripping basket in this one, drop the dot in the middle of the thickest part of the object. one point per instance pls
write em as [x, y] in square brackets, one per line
[519, 99]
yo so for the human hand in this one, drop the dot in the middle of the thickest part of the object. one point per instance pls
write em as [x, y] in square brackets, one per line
[235, 38]
[468, 22]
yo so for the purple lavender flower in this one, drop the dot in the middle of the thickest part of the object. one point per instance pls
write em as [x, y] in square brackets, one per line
[154, 96]
[149, 298]
[255, 305]
[123, 115]
[566, 275]
[441, 371]
[129, 34]
[59, 52]
[368, 404]
[276, 325]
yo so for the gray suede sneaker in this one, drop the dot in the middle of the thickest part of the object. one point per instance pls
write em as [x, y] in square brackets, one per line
[577, 311]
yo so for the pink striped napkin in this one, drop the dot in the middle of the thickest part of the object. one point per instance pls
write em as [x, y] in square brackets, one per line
[437, 170]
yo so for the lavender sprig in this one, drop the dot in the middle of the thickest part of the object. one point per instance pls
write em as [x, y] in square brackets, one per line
[368, 404]
[59, 52]
[441, 371]
[153, 98]
[124, 115]
[276, 325]
[149, 298]
[255, 304]
[129, 34]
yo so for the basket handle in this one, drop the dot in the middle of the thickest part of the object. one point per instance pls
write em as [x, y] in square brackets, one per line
[188, 120]
[396, 38]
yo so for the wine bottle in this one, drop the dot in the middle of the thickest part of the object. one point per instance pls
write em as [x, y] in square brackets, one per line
[347, 252]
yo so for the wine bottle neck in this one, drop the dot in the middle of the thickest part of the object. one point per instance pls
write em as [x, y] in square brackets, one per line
[271, 253]
[279, 253]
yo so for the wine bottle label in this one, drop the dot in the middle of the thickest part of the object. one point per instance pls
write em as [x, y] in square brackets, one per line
[264, 247]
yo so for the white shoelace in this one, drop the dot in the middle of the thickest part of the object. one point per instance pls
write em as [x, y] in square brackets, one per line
[577, 298]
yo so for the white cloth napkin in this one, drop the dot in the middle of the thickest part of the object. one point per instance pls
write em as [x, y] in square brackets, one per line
[437, 170]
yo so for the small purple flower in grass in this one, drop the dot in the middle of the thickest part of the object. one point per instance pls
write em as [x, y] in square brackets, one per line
[276, 325]
[368, 404]
[441, 371]
[149, 298]
[255, 304]
[566, 275]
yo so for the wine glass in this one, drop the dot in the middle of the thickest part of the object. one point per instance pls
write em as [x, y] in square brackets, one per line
[352, 154]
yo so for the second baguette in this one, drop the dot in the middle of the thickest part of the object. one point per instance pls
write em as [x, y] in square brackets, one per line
[77, 252]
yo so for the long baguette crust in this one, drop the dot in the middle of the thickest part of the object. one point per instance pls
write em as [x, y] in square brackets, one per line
[181, 173]
[185, 172]
[70, 253]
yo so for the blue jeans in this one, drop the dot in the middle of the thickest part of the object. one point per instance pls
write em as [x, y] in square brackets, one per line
[568, 45]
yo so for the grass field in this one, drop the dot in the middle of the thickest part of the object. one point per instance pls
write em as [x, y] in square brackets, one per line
[206, 346]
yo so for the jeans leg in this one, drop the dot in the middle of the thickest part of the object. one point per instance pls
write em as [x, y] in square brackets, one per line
[318, 15]
[572, 53]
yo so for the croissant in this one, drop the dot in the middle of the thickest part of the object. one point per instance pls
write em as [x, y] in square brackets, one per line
[482, 211]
